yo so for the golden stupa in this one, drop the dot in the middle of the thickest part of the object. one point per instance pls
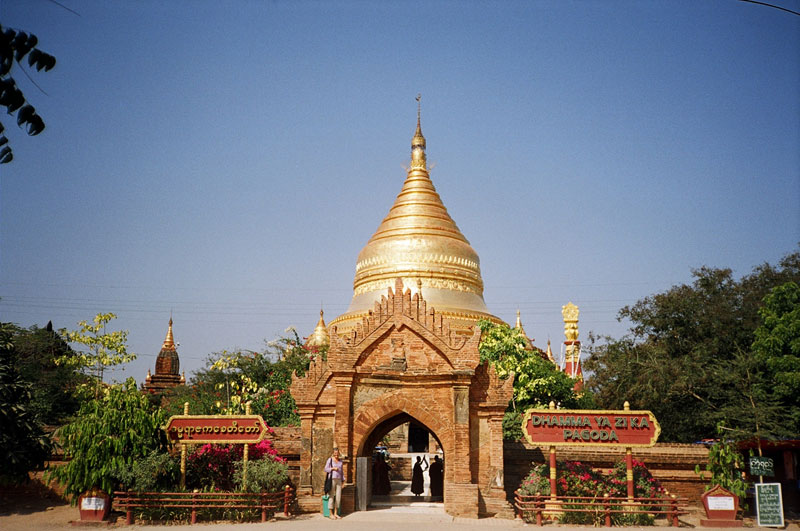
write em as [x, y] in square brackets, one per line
[419, 242]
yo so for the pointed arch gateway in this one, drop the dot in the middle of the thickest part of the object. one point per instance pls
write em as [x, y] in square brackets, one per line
[403, 362]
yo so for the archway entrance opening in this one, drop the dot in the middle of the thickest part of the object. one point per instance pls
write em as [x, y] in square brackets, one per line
[396, 446]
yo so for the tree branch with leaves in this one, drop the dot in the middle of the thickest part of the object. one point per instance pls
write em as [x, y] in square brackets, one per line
[15, 46]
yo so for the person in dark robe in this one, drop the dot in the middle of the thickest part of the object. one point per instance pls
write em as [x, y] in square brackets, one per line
[417, 480]
[436, 473]
[381, 485]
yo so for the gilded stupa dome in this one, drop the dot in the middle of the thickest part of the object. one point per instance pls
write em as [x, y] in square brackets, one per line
[419, 242]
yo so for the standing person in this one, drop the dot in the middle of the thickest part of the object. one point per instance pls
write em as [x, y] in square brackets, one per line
[381, 485]
[335, 467]
[436, 473]
[417, 480]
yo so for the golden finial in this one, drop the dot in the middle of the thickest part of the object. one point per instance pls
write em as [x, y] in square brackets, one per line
[169, 343]
[550, 352]
[320, 337]
[418, 142]
[570, 313]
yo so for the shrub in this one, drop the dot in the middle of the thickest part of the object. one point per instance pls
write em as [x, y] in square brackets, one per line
[537, 481]
[159, 471]
[580, 480]
[644, 484]
[264, 475]
[512, 425]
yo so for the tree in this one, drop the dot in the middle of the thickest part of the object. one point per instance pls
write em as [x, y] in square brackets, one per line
[14, 47]
[777, 344]
[106, 349]
[231, 379]
[56, 387]
[537, 381]
[683, 356]
[109, 434]
[23, 444]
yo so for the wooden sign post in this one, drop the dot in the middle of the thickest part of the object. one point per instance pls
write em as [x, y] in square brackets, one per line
[215, 429]
[588, 427]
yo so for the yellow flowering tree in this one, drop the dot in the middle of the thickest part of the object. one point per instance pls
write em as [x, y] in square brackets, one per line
[102, 349]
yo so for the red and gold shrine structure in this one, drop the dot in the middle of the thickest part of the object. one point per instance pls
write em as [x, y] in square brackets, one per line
[168, 366]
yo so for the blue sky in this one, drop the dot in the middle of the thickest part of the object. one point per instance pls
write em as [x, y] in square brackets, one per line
[226, 161]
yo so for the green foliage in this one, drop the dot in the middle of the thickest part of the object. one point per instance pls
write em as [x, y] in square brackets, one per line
[56, 388]
[687, 355]
[777, 343]
[264, 475]
[157, 472]
[23, 444]
[14, 47]
[231, 379]
[726, 466]
[537, 381]
[108, 436]
[105, 349]
[512, 425]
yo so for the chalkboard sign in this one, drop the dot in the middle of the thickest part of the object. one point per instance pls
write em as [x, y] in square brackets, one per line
[762, 466]
[769, 505]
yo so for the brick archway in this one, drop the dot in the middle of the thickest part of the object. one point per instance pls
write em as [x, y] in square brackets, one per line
[403, 362]
[391, 405]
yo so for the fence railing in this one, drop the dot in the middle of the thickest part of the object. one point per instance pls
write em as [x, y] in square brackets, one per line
[537, 507]
[267, 502]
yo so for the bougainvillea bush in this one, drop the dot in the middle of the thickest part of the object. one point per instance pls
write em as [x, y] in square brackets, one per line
[579, 479]
[574, 479]
[213, 466]
[644, 484]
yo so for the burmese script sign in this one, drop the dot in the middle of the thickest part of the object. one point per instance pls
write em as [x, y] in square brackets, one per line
[769, 505]
[762, 466]
[201, 429]
[590, 427]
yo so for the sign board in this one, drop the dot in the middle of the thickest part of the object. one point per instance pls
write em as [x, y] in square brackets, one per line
[762, 466]
[721, 506]
[93, 504]
[769, 505]
[590, 427]
[219, 429]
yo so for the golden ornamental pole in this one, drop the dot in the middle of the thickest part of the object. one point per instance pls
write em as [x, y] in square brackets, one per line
[183, 452]
[246, 453]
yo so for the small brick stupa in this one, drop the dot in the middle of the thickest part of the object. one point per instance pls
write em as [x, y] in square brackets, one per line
[168, 365]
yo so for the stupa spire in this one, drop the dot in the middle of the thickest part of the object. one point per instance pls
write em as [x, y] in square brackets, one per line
[169, 342]
[418, 142]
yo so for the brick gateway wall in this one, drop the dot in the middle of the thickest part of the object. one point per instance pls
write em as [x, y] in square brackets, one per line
[672, 464]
